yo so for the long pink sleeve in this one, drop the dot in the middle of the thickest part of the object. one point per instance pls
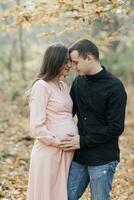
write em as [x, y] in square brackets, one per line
[38, 105]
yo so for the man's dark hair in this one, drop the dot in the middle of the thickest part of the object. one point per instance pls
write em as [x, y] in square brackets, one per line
[85, 47]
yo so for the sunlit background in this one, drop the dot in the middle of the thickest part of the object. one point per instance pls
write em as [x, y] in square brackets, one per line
[27, 27]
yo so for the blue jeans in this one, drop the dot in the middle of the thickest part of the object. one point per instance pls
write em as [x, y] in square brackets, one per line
[99, 177]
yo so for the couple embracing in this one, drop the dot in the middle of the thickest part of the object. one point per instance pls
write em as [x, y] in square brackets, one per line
[66, 157]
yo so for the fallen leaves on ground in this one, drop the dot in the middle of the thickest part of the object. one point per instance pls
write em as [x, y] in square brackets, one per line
[16, 145]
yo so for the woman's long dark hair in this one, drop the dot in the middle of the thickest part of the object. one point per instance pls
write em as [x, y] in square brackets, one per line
[54, 59]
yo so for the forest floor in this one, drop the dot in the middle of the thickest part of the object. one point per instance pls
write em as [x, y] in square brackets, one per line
[16, 145]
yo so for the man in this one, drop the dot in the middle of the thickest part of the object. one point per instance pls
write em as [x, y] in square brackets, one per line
[99, 101]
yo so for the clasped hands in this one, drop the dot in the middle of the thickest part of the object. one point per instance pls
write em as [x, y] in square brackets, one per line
[70, 142]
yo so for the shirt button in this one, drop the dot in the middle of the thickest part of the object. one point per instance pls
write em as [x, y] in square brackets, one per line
[85, 118]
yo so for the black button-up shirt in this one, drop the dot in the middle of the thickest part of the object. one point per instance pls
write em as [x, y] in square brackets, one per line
[99, 102]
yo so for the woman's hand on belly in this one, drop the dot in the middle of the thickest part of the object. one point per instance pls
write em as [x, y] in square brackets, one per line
[55, 142]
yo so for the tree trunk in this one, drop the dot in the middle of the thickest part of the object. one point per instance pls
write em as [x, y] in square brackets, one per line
[22, 53]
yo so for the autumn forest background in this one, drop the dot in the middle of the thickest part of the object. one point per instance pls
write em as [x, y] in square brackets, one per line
[27, 27]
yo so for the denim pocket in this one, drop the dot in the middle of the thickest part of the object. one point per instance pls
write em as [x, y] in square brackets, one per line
[113, 166]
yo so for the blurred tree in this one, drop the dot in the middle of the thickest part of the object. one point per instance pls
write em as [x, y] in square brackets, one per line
[72, 15]
[22, 53]
[34, 24]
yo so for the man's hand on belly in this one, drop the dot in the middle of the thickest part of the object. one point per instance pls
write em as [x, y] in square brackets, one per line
[71, 142]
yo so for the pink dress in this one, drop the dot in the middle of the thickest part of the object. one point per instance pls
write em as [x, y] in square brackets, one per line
[50, 120]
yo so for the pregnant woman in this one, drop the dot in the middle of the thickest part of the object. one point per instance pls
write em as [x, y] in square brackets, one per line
[50, 122]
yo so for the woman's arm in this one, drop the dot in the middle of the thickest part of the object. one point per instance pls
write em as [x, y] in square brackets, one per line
[38, 105]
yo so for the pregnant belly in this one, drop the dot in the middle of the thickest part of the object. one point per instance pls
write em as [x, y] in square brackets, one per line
[62, 128]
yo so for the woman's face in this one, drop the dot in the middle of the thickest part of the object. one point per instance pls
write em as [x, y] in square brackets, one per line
[66, 67]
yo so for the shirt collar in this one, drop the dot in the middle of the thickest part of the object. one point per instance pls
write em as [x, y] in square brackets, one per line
[99, 75]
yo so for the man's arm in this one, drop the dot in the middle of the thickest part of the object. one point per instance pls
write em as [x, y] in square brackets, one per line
[115, 120]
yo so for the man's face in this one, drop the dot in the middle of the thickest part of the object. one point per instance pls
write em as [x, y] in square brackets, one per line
[81, 65]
